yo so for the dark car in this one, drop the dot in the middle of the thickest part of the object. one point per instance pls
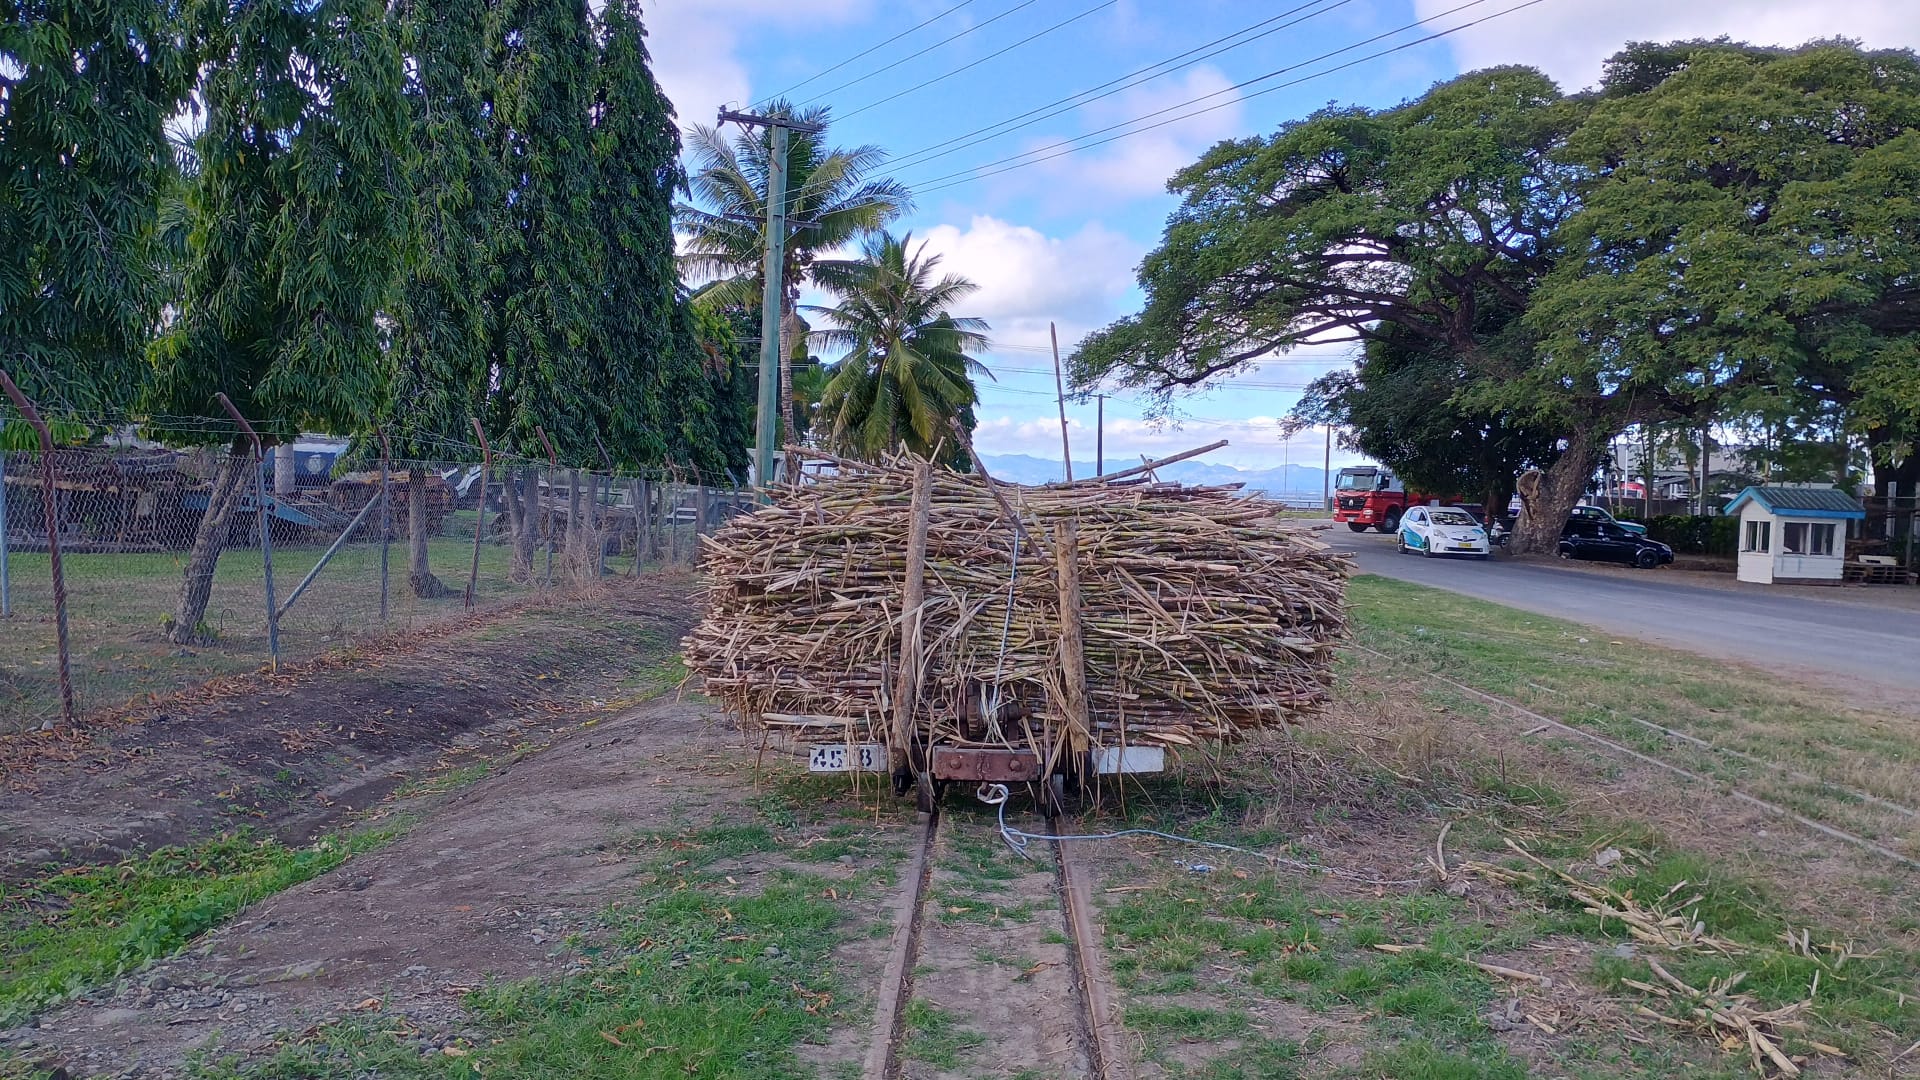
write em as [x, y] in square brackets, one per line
[1605, 541]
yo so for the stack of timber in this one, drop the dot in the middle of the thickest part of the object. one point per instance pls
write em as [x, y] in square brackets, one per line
[899, 603]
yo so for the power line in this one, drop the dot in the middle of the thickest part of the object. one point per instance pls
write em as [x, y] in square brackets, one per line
[1068, 143]
[1131, 80]
[922, 52]
[822, 73]
[976, 63]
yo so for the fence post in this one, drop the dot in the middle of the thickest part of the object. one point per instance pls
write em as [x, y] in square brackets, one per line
[639, 524]
[546, 502]
[386, 517]
[266, 524]
[480, 512]
[51, 500]
[6, 581]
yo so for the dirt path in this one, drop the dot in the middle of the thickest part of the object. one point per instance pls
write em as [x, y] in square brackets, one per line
[487, 887]
[295, 755]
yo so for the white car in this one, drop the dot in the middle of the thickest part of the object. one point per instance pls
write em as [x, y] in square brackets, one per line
[1443, 530]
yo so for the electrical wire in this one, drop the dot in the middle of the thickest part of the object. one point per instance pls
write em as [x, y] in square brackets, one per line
[1092, 94]
[970, 65]
[995, 795]
[824, 72]
[976, 173]
[914, 56]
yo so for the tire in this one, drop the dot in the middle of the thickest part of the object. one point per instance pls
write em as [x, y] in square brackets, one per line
[1647, 559]
[1391, 524]
[1402, 545]
[1357, 526]
[1428, 550]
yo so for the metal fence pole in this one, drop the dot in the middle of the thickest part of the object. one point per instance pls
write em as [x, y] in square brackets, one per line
[546, 502]
[266, 525]
[50, 499]
[6, 580]
[480, 509]
[386, 517]
[639, 525]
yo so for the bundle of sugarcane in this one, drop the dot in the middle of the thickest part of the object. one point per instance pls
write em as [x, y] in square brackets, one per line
[878, 600]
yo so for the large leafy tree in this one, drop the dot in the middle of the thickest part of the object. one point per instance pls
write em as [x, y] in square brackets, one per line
[546, 254]
[296, 232]
[1400, 405]
[832, 197]
[85, 93]
[441, 364]
[1752, 220]
[906, 369]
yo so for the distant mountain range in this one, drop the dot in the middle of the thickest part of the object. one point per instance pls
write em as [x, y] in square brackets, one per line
[1289, 483]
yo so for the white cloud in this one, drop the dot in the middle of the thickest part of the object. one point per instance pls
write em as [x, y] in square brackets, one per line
[693, 44]
[1568, 39]
[1028, 278]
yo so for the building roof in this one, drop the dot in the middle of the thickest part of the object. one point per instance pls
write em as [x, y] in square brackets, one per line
[1801, 502]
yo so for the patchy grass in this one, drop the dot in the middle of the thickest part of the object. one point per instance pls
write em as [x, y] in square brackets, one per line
[1368, 788]
[1808, 751]
[935, 1037]
[77, 929]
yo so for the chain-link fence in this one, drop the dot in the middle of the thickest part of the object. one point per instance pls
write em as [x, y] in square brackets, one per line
[358, 552]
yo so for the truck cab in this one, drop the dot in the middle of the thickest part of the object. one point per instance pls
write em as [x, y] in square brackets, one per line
[1369, 497]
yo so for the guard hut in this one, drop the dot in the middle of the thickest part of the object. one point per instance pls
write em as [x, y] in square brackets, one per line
[1794, 535]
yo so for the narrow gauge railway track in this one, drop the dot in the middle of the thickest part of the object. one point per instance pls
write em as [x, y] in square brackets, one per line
[1058, 1018]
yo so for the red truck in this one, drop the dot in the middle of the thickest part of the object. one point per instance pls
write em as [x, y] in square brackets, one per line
[1370, 497]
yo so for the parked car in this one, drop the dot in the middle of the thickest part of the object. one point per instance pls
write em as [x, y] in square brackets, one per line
[1443, 530]
[1595, 513]
[1607, 541]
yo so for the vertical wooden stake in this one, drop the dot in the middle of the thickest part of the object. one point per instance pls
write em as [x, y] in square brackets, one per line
[1073, 656]
[480, 519]
[906, 679]
[1060, 395]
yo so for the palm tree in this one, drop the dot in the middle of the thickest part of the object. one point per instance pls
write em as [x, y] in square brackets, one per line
[907, 369]
[831, 201]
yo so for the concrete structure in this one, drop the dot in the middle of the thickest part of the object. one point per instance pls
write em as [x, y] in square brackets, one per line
[1794, 535]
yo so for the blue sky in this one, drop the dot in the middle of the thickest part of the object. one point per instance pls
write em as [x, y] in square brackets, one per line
[1059, 239]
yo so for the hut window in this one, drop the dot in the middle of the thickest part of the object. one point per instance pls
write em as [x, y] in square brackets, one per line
[1756, 536]
[1806, 538]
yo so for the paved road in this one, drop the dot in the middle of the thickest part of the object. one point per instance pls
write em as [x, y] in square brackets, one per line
[1839, 643]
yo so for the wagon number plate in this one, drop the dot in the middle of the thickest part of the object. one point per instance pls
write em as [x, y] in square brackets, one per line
[868, 757]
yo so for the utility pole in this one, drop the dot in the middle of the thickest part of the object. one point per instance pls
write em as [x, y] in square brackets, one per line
[1326, 473]
[1099, 434]
[1060, 395]
[767, 426]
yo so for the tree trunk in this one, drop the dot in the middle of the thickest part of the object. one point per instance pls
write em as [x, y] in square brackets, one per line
[527, 490]
[1548, 496]
[576, 527]
[419, 574]
[519, 541]
[188, 625]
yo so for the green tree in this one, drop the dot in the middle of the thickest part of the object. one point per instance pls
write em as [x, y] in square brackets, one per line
[832, 197]
[648, 347]
[297, 227]
[546, 255]
[1364, 225]
[907, 367]
[441, 360]
[85, 93]
[1751, 225]
[1400, 405]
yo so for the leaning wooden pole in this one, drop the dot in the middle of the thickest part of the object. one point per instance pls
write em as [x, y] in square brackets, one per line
[50, 503]
[1060, 396]
[480, 513]
[906, 676]
[1073, 646]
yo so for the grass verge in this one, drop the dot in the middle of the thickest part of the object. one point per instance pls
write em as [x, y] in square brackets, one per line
[77, 929]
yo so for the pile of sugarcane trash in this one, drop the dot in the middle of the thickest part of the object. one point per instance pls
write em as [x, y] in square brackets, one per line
[872, 602]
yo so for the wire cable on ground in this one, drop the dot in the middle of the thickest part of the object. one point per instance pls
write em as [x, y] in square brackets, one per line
[1648, 759]
[995, 795]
